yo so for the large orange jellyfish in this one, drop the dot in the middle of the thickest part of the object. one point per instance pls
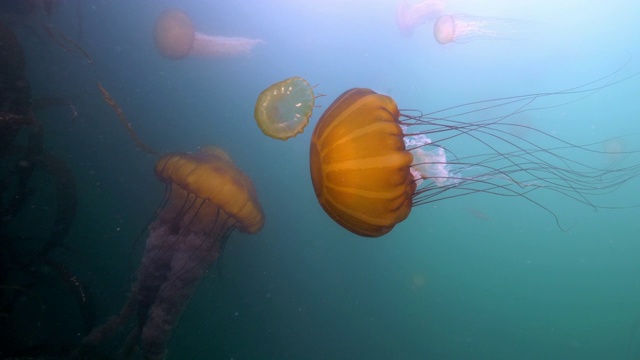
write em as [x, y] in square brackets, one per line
[283, 109]
[370, 164]
[359, 165]
[409, 17]
[176, 38]
[207, 198]
[462, 28]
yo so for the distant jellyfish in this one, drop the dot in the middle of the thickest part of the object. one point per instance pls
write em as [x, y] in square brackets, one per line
[409, 17]
[283, 109]
[176, 38]
[615, 150]
[462, 28]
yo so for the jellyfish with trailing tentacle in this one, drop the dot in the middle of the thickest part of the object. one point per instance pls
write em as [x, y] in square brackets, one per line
[175, 38]
[463, 28]
[411, 16]
[207, 198]
[371, 164]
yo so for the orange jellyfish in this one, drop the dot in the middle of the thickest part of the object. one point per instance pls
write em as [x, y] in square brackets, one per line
[207, 198]
[283, 109]
[176, 38]
[462, 28]
[370, 164]
[359, 165]
[409, 17]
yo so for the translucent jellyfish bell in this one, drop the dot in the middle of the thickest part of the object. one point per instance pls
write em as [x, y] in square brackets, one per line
[463, 28]
[283, 109]
[428, 163]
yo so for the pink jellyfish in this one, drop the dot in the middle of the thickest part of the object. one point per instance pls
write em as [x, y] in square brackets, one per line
[409, 17]
[462, 28]
[176, 37]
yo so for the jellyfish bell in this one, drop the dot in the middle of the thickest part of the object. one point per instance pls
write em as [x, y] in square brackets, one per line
[282, 110]
[463, 28]
[174, 34]
[175, 38]
[216, 190]
[615, 150]
[411, 16]
[430, 164]
[371, 164]
[359, 165]
[207, 198]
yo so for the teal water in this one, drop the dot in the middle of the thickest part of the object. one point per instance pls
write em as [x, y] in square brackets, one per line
[475, 277]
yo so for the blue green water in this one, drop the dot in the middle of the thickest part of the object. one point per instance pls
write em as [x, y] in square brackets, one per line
[476, 277]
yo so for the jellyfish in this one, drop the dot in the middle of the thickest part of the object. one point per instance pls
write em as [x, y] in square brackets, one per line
[283, 109]
[409, 17]
[359, 166]
[207, 198]
[371, 164]
[615, 149]
[462, 28]
[175, 38]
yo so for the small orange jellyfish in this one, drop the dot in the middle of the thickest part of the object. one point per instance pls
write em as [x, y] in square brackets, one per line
[283, 109]
[462, 28]
[409, 17]
[176, 37]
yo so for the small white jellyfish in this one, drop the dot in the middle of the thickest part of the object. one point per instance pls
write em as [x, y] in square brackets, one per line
[462, 28]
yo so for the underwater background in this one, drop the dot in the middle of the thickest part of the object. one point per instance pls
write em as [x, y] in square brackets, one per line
[474, 277]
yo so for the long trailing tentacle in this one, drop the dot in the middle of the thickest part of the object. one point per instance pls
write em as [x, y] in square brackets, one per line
[72, 46]
[515, 165]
